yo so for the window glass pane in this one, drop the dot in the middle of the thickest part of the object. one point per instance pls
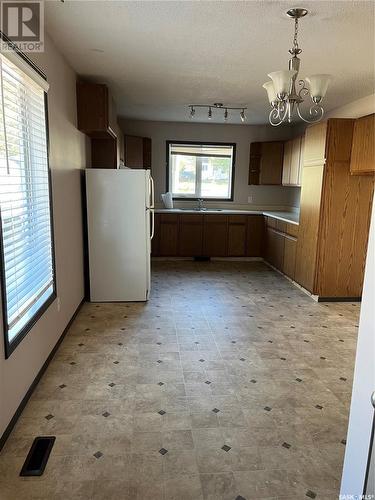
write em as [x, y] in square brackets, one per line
[24, 198]
[201, 170]
[216, 177]
[184, 173]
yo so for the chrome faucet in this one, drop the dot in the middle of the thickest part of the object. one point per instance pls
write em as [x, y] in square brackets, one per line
[200, 204]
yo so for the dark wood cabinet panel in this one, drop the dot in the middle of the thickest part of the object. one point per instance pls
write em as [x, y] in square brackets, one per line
[215, 235]
[190, 236]
[104, 153]
[266, 163]
[137, 151]
[237, 235]
[255, 236]
[254, 162]
[168, 242]
[155, 242]
[92, 108]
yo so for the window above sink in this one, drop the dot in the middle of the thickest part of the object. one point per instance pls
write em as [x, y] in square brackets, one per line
[200, 170]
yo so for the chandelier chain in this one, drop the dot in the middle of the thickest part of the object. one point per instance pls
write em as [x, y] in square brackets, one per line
[295, 42]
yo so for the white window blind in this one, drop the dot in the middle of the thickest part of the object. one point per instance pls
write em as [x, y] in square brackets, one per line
[24, 198]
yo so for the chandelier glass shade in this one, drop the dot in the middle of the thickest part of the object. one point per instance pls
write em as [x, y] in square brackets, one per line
[283, 95]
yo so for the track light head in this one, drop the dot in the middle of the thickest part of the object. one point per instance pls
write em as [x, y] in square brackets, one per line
[209, 112]
[192, 111]
[226, 114]
[242, 115]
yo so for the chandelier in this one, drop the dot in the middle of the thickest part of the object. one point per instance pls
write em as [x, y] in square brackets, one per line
[217, 105]
[284, 98]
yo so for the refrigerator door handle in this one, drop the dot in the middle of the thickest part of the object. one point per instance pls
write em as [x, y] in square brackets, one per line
[153, 223]
[152, 192]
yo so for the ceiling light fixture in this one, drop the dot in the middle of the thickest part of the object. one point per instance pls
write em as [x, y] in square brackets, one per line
[217, 105]
[285, 100]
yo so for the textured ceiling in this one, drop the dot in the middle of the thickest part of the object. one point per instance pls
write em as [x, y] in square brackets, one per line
[158, 57]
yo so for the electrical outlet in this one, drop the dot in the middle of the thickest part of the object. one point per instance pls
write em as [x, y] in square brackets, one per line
[58, 304]
[250, 199]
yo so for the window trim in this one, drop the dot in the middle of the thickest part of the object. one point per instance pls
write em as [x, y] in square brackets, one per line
[200, 143]
[10, 346]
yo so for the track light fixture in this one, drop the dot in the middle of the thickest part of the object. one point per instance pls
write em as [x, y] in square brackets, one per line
[217, 105]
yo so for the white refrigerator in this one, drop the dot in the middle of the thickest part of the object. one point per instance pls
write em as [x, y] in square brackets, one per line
[120, 226]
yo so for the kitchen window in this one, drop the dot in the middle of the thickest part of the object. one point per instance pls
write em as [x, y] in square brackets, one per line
[27, 256]
[200, 170]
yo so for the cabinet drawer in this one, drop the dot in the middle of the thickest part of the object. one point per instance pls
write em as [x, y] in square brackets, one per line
[168, 218]
[271, 222]
[237, 219]
[191, 219]
[292, 230]
[281, 226]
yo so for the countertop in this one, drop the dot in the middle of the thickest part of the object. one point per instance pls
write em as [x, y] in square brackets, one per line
[290, 217]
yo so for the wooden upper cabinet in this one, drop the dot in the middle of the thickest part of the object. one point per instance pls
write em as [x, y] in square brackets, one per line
[315, 144]
[301, 159]
[94, 110]
[295, 163]
[287, 160]
[266, 163]
[363, 148]
[292, 162]
[137, 152]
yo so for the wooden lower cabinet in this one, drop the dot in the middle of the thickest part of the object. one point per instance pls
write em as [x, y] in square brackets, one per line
[208, 235]
[281, 245]
[255, 236]
[215, 235]
[237, 229]
[168, 238]
[190, 235]
[274, 247]
[289, 261]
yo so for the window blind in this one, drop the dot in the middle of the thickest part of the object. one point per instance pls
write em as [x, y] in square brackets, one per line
[25, 203]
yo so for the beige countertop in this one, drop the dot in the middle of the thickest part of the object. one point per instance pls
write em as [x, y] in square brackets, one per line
[291, 217]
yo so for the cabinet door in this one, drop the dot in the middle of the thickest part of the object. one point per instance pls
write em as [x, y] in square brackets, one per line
[301, 160]
[287, 163]
[255, 236]
[155, 242]
[215, 235]
[168, 243]
[237, 235]
[92, 108]
[274, 248]
[315, 144]
[295, 162]
[363, 149]
[190, 235]
[289, 263]
[147, 152]
[254, 162]
[271, 163]
[133, 151]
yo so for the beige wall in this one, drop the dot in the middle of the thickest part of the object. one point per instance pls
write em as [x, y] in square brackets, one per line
[67, 157]
[242, 135]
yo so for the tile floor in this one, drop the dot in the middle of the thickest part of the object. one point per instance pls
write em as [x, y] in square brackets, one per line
[229, 384]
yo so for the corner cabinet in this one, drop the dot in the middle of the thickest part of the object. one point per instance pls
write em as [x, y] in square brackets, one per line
[334, 214]
[266, 163]
[362, 159]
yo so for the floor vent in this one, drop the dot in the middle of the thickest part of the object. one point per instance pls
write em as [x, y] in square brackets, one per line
[38, 455]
